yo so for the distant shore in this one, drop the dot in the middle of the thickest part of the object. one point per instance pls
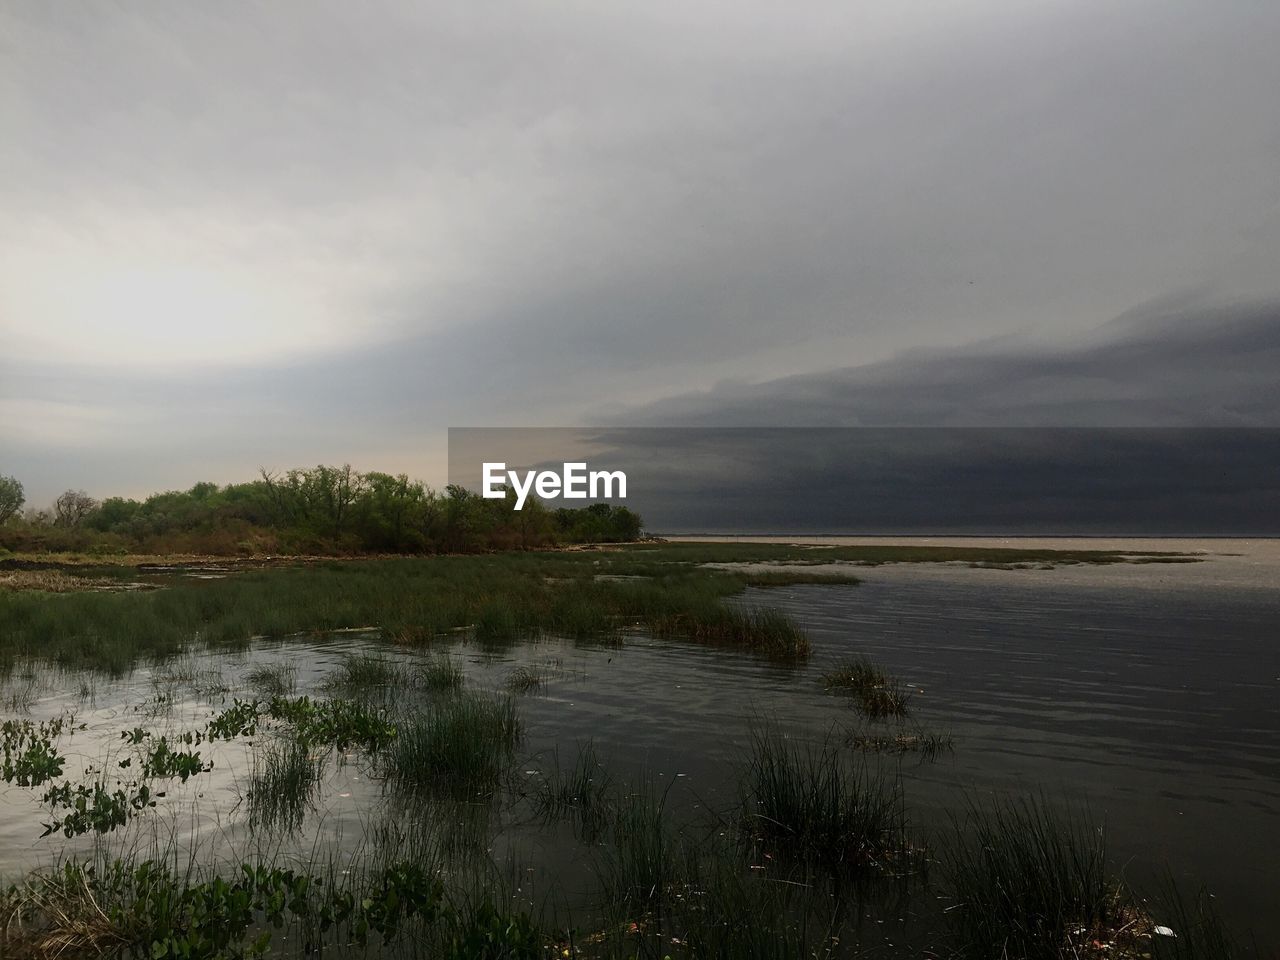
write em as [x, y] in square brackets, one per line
[1228, 562]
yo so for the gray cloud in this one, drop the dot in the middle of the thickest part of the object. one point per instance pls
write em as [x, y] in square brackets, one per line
[344, 227]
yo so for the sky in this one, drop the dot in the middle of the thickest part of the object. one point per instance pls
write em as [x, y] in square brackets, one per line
[240, 235]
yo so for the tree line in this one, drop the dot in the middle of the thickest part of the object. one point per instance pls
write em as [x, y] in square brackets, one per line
[321, 510]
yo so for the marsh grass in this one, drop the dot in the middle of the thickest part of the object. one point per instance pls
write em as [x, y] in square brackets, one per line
[1198, 932]
[494, 600]
[364, 671]
[873, 690]
[584, 792]
[762, 630]
[1027, 879]
[809, 799]
[439, 672]
[278, 679]
[283, 785]
[644, 864]
[462, 745]
[791, 578]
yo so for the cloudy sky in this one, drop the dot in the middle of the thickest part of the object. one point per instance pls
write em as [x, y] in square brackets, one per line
[238, 234]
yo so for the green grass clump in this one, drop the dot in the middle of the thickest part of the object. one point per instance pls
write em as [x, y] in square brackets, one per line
[283, 785]
[440, 672]
[875, 692]
[811, 800]
[765, 631]
[273, 679]
[359, 671]
[1029, 881]
[463, 744]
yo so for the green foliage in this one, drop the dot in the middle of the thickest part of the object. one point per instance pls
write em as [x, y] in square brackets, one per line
[439, 673]
[333, 723]
[322, 510]
[29, 756]
[12, 497]
[462, 745]
[162, 761]
[160, 916]
[93, 807]
[498, 598]
[282, 784]
[489, 933]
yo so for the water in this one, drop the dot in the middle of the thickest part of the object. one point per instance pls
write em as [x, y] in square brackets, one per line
[1159, 709]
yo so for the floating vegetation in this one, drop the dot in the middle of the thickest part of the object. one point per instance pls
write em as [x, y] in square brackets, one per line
[148, 910]
[92, 807]
[29, 755]
[334, 723]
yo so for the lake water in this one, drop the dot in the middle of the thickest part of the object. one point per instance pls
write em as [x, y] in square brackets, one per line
[1155, 704]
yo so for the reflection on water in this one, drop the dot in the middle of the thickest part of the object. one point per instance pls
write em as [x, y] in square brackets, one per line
[1159, 711]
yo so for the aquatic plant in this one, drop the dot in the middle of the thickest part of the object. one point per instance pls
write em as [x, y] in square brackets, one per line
[363, 670]
[809, 799]
[643, 863]
[461, 744]
[874, 691]
[440, 672]
[284, 779]
[273, 679]
[337, 722]
[1027, 878]
[147, 910]
[28, 756]
[584, 791]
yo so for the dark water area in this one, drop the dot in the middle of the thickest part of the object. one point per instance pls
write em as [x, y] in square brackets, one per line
[1157, 715]
[1157, 711]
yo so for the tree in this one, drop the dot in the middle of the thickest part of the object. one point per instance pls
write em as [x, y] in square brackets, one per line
[12, 498]
[72, 507]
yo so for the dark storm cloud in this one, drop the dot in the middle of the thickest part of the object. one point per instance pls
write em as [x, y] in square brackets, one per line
[1166, 364]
